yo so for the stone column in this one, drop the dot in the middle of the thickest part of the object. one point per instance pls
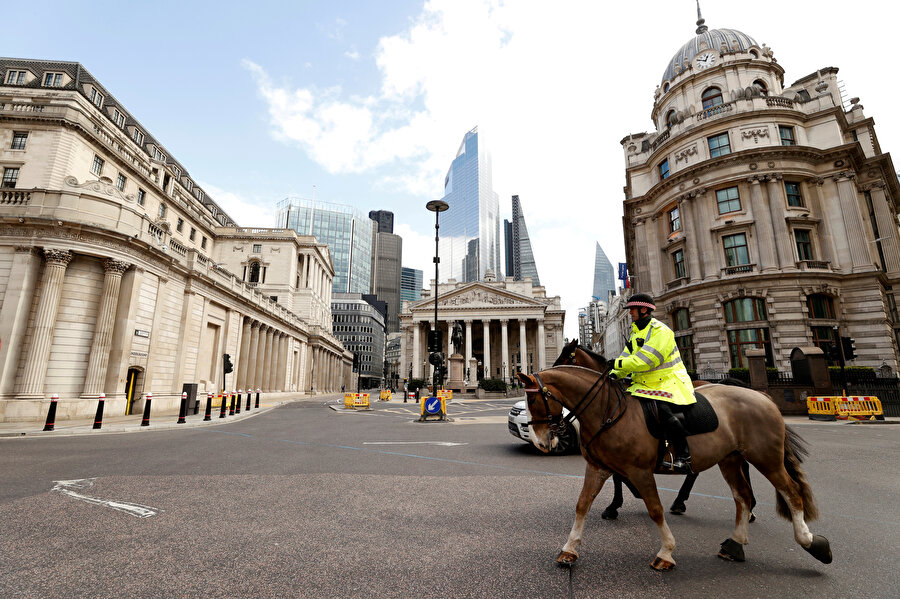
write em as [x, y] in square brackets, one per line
[784, 243]
[523, 346]
[262, 357]
[886, 228]
[56, 262]
[701, 208]
[504, 349]
[252, 356]
[686, 211]
[244, 354]
[98, 359]
[282, 362]
[468, 342]
[271, 356]
[859, 253]
[542, 346]
[765, 232]
[487, 349]
[416, 357]
[14, 312]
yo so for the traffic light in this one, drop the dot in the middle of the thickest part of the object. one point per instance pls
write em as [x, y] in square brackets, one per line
[436, 358]
[435, 341]
[355, 362]
[834, 353]
[849, 346]
[229, 367]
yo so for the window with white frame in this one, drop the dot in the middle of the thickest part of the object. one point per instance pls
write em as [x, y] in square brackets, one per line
[142, 195]
[10, 176]
[162, 211]
[719, 145]
[97, 166]
[678, 263]
[138, 137]
[736, 252]
[158, 155]
[192, 234]
[15, 77]
[728, 200]
[257, 248]
[803, 241]
[203, 243]
[179, 225]
[96, 98]
[674, 220]
[118, 118]
[19, 140]
[120, 182]
[794, 197]
[53, 79]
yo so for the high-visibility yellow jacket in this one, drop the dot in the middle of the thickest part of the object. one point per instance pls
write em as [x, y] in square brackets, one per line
[654, 363]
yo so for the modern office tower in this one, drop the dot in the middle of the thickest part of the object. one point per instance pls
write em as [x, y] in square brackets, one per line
[585, 327]
[385, 220]
[343, 228]
[519, 257]
[386, 259]
[762, 214]
[358, 322]
[470, 230]
[604, 276]
[410, 284]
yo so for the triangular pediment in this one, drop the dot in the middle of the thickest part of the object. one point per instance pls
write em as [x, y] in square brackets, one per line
[478, 296]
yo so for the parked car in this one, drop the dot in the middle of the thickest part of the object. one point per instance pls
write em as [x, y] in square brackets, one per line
[518, 427]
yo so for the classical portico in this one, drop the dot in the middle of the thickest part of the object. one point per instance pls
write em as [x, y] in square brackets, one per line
[508, 327]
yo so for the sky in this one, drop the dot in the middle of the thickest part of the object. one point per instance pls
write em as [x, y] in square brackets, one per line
[366, 103]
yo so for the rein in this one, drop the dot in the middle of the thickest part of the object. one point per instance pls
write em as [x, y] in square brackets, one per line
[558, 424]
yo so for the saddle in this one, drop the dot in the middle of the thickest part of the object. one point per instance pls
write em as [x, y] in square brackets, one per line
[698, 418]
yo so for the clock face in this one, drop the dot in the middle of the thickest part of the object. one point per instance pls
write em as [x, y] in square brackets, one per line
[705, 60]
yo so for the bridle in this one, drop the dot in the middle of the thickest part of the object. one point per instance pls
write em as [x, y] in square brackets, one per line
[558, 423]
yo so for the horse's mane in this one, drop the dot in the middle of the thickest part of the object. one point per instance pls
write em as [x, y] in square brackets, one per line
[592, 353]
[574, 345]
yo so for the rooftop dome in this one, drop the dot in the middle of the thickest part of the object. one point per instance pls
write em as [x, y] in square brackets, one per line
[713, 38]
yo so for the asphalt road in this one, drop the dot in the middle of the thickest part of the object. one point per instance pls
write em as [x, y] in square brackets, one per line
[306, 501]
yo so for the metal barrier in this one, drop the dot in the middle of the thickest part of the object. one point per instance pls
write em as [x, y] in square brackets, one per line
[854, 407]
[446, 394]
[384, 395]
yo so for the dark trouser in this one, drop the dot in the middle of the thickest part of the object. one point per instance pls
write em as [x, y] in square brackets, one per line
[674, 428]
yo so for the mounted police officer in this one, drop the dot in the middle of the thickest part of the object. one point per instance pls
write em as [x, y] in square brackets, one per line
[652, 360]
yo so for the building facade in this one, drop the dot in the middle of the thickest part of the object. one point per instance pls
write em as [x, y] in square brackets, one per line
[116, 268]
[348, 234]
[762, 215]
[469, 242]
[410, 284]
[359, 323]
[508, 326]
[519, 255]
[387, 256]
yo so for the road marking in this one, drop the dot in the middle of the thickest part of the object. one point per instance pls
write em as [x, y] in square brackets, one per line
[65, 487]
[440, 443]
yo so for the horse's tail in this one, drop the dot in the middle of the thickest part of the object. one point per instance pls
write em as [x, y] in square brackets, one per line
[794, 452]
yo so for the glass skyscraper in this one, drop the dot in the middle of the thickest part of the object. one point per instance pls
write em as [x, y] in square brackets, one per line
[470, 229]
[604, 276]
[344, 229]
[410, 284]
[520, 262]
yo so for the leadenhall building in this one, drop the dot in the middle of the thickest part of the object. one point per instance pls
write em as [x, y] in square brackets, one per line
[759, 214]
[120, 275]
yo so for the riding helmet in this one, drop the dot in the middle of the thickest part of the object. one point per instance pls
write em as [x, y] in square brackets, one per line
[641, 300]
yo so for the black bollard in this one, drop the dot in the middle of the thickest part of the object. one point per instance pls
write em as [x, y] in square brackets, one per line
[231, 407]
[207, 416]
[237, 405]
[98, 419]
[248, 400]
[51, 414]
[183, 410]
[146, 420]
[257, 398]
[224, 409]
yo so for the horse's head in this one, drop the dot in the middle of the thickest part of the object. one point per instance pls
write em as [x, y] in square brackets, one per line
[568, 354]
[544, 412]
[577, 355]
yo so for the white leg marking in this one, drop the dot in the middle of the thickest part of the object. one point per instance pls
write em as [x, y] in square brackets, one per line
[801, 530]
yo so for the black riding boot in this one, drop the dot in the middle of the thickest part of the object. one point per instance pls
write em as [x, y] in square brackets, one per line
[682, 457]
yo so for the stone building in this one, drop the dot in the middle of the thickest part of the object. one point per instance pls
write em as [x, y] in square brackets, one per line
[508, 326]
[761, 215]
[120, 275]
[359, 322]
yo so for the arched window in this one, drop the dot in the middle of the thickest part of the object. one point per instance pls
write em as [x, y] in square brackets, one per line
[254, 272]
[670, 118]
[747, 309]
[762, 87]
[711, 97]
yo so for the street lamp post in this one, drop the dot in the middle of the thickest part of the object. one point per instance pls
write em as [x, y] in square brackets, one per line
[437, 206]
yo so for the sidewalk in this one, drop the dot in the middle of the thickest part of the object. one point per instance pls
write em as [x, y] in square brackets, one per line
[113, 424]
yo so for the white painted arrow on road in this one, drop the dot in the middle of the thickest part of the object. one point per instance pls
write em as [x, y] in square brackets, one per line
[440, 443]
[65, 487]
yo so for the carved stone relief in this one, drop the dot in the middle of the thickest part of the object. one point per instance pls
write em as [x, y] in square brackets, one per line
[102, 187]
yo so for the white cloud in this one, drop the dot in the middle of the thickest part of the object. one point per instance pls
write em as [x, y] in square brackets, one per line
[552, 92]
[352, 54]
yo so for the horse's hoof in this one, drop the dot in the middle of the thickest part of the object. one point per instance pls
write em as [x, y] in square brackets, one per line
[732, 551]
[752, 517]
[566, 559]
[662, 565]
[678, 507]
[820, 549]
[609, 514]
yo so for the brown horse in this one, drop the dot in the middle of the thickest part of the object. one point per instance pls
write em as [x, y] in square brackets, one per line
[574, 354]
[614, 435]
